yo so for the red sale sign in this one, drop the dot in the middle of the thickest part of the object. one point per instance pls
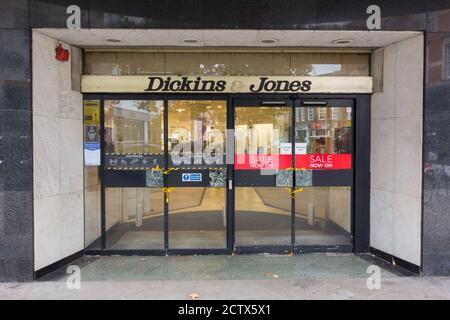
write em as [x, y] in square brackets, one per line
[324, 161]
[262, 161]
[303, 161]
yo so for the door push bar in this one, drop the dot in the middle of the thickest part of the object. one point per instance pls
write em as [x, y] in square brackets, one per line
[311, 103]
[278, 103]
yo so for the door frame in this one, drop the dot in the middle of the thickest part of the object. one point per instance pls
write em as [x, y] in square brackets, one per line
[294, 103]
[361, 177]
[257, 101]
[192, 251]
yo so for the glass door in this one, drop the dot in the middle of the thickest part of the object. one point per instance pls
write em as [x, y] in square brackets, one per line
[263, 175]
[324, 172]
[293, 172]
[133, 215]
[196, 174]
[164, 174]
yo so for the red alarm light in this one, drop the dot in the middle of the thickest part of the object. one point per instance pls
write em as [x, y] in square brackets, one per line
[61, 53]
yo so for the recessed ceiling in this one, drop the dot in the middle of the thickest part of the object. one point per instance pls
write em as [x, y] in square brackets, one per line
[147, 38]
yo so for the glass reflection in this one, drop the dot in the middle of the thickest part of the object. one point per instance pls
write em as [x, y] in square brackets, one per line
[196, 137]
[227, 64]
[134, 126]
[262, 143]
[134, 218]
[324, 130]
[261, 130]
[263, 216]
[323, 216]
[92, 212]
[197, 132]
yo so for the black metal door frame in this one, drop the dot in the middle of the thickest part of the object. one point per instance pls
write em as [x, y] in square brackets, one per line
[360, 186]
[257, 102]
[294, 103]
[331, 102]
[191, 251]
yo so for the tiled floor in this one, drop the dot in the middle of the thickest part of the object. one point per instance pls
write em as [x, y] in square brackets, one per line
[222, 267]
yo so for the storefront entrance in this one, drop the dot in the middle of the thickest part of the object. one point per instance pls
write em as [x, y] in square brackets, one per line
[223, 174]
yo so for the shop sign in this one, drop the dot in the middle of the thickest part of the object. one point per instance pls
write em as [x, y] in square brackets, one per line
[284, 161]
[226, 84]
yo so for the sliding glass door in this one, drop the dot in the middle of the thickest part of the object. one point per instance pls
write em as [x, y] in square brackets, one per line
[293, 173]
[324, 172]
[197, 174]
[263, 140]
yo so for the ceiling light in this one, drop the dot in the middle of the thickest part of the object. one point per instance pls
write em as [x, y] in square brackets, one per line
[190, 41]
[113, 40]
[269, 41]
[342, 42]
[181, 110]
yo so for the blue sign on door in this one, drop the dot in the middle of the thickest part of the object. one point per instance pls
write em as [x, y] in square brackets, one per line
[191, 177]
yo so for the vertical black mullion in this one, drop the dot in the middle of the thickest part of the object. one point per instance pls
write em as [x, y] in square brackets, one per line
[102, 166]
[293, 108]
[165, 177]
[362, 175]
[230, 177]
[354, 168]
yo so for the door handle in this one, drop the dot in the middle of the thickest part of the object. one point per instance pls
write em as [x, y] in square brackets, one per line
[230, 184]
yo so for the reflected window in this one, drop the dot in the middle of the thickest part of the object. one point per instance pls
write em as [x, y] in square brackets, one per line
[310, 114]
[322, 114]
[331, 133]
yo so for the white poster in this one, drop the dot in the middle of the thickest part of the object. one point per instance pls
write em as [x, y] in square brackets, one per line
[91, 146]
[91, 154]
[300, 148]
[285, 148]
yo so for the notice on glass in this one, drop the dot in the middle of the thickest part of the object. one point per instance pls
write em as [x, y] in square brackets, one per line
[92, 133]
[300, 148]
[91, 146]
